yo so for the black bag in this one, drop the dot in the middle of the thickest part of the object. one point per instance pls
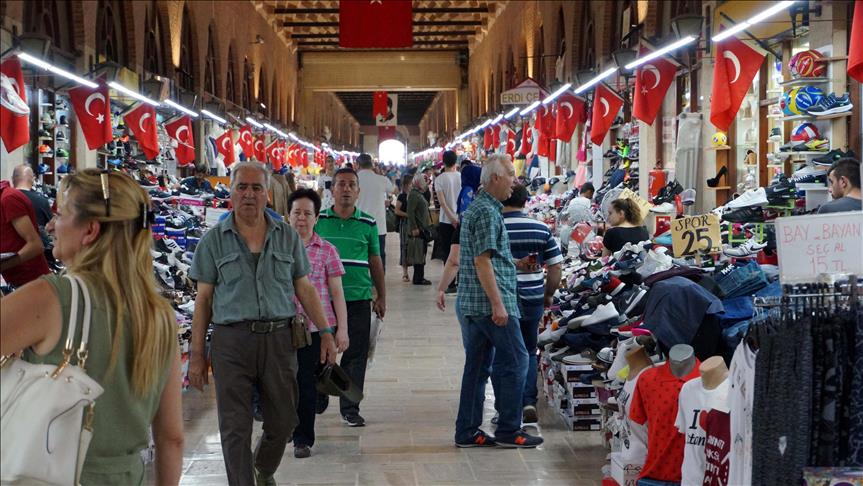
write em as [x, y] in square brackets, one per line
[332, 380]
[429, 233]
[392, 221]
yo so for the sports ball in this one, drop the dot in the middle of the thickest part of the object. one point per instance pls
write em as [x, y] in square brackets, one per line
[797, 100]
[808, 64]
[804, 132]
[719, 139]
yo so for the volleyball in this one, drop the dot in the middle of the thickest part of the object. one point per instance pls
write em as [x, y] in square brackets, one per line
[804, 132]
[797, 100]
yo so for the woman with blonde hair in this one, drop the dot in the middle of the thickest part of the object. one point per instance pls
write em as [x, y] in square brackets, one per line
[102, 234]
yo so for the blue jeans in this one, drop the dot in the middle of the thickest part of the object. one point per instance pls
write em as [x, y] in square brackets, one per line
[487, 344]
[530, 316]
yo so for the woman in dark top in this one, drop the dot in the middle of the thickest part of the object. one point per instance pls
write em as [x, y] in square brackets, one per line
[401, 213]
[625, 218]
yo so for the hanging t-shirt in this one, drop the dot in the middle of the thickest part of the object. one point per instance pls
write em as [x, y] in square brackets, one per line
[325, 184]
[633, 436]
[741, 375]
[655, 401]
[716, 451]
[694, 401]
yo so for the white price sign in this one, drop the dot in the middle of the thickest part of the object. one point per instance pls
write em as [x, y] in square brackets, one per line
[812, 245]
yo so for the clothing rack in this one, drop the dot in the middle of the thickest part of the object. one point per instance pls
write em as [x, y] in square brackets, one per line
[850, 290]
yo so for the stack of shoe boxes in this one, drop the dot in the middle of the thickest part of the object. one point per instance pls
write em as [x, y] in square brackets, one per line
[575, 401]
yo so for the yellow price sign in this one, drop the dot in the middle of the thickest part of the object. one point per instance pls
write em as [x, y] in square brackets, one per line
[695, 233]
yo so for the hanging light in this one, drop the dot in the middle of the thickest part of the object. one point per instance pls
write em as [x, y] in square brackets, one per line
[253, 122]
[182, 108]
[752, 21]
[661, 52]
[212, 115]
[510, 113]
[54, 69]
[548, 99]
[119, 87]
[529, 108]
[584, 87]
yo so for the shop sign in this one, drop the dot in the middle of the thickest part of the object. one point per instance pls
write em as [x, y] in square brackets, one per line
[695, 233]
[809, 246]
[525, 93]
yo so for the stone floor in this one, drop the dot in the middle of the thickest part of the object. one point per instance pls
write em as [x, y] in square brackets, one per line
[410, 407]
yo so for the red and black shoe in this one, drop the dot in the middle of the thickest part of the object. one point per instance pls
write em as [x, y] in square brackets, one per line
[480, 439]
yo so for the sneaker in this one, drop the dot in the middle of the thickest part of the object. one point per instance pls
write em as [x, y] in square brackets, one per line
[602, 314]
[613, 286]
[519, 440]
[752, 197]
[480, 439]
[551, 334]
[302, 451]
[749, 248]
[775, 134]
[261, 480]
[832, 156]
[528, 415]
[664, 208]
[744, 215]
[354, 420]
[814, 145]
[631, 303]
[808, 170]
[830, 104]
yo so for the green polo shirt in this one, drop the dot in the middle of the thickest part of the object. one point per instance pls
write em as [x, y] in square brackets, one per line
[356, 239]
[245, 291]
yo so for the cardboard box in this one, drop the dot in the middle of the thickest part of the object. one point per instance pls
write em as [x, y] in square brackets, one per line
[624, 474]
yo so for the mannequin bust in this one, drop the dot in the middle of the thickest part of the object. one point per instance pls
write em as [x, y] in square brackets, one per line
[713, 372]
[681, 359]
[638, 360]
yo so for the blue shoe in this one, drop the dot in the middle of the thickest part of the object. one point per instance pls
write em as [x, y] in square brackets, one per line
[480, 439]
[830, 104]
[520, 440]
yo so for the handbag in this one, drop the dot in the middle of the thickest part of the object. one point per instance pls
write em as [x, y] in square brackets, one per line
[332, 380]
[46, 411]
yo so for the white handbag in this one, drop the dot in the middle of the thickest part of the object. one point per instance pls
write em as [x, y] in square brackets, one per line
[46, 411]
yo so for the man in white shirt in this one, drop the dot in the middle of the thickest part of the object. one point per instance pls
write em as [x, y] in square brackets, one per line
[375, 190]
[325, 182]
[447, 186]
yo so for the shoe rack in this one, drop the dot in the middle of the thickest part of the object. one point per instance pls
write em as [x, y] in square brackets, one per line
[723, 189]
[53, 137]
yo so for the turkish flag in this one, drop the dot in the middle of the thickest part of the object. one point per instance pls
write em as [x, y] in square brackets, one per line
[141, 120]
[260, 152]
[14, 123]
[510, 142]
[375, 24]
[247, 141]
[652, 81]
[487, 138]
[93, 109]
[181, 131]
[570, 112]
[526, 138]
[855, 44]
[225, 146]
[735, 67]
[552, 150]
[606, 104]
[386, 133]
[273, 153]
[379, 104]
[495, 137]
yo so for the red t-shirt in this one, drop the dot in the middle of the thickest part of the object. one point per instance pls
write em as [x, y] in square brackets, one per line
[654, 403]
[13, 205]
[717, 424]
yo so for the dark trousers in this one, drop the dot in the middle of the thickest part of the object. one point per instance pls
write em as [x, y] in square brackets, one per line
[529, 322]
[308, 361]
[419, 274]
[382, 241]
[355, 358]
[443, 242]
[240, 359]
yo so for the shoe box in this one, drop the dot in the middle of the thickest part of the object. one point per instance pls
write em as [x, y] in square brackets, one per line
[622, 473]
[576, 402]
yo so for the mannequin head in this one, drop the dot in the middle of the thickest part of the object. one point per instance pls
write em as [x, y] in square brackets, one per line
[681, 360]
[713, 372]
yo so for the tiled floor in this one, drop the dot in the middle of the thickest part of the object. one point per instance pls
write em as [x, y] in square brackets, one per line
[410, 408]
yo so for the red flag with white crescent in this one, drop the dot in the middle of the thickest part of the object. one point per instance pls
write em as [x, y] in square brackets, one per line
[225, 146]
[652, 81]
[570, 112]
[510, 142]
[141, 120]
[734, 68]
[260, 149]
[606, 104]
[14, 116]
[247, 141]
[273, 153]
[93, 110]
[181, 131]
[526, 138]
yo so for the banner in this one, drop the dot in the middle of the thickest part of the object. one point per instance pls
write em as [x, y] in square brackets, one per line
[375, 24]
[390, 117]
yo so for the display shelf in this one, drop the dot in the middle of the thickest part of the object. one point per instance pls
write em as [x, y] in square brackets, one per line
[804, 82]
[833, 115]
[776, 117]
[721, 147]
[807, 152]
[811, 186]
[797, 117]
[719, 188]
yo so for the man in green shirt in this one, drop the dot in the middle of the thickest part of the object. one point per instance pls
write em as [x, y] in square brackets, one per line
[248, 268]
[355, 235]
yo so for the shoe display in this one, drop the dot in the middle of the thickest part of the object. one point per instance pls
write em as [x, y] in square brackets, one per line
[775, 134]
[830, 105]
[814, 145]
[744, 215]
[832, 156]
[664, 208]
[752, 197]
[749, 248]
[602, 314]
[714, 181]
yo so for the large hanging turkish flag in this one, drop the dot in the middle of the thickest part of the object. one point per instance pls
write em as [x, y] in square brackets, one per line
[273, 153]
[855, 44]
[545, 123]
[260, 152]
[14, 117]
[495, 137]
[181, 131]
[247, 141]
[487, 138]
[606, 104]
[652, 81]
[734, 69]
[526, 138]
[375, 24]
[141, 120]
[93, 110]
[510, 142]
[570, 112]
[379, 104]
[225, 146]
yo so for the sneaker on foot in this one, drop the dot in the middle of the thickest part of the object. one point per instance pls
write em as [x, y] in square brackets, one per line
[354, 420]
[480, 439]
[528, 414]
[519, 440]
[262, 480]
[302, 451]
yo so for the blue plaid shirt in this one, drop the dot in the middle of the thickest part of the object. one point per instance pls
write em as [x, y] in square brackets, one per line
[482, 230]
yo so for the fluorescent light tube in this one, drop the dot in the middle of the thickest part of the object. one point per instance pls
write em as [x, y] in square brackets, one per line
[529, 108]
[119, 87]
[253, 122]
[54, 69]
[661, 52]
[752, 21]
[181, 108]
[584, 87]
[557, 93]
[214, 116]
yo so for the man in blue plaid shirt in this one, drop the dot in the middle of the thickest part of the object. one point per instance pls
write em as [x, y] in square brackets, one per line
[487, 310]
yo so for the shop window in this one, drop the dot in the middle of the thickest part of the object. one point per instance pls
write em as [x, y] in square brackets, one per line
[110, 28]
[230, 86]
[50, 18]
[154, 55]
[211, 85]
[185, 76]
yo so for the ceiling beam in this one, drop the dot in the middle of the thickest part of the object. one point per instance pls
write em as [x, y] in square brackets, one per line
[418, 10]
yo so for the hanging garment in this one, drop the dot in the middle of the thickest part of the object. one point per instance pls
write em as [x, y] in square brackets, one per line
[687, 155]
[855, 425]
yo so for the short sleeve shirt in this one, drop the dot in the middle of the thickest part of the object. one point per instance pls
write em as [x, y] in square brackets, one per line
[655, 401]
[356, 239]
[526, 236]
[324, 263]
[13, 205]
[374, 191]
[449, 183]
[483, 230]
[245, 291]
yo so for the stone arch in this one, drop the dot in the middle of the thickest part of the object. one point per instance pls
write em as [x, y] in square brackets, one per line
[155, 53]
[115, 35]
[187, 73]
[584, 56]
[263, 93]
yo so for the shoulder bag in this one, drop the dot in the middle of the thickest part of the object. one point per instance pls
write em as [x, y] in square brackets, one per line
[46, 411]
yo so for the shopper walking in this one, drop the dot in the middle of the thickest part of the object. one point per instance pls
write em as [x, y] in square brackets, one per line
[419, 227]
[402, 215]
[375, 191]
[19, 235]
[354, 234]
[326, 272]
[132, 350]
[244, 268]
[532, 240]
[447, 186]
[487, 310]
[624, 216]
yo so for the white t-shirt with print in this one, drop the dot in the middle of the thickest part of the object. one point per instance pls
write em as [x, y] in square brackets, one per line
[374, 191]
[326, 192]
[633, 436]
[741, 374]
[694, 401]
[449, 183]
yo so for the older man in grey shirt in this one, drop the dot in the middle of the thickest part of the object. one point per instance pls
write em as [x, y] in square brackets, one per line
[248, 268]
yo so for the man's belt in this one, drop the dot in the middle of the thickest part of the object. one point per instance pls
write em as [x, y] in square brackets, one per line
[261, 327]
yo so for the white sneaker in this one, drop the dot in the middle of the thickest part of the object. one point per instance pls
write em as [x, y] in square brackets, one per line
[808, 170]
[602, 313]
[663, 208]
[550, 335]
[188, 307]
[752, 197]
[749, 248]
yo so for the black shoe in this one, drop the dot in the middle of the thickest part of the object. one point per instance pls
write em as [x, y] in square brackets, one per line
[528, 415]
[423, 282]
[480, 439]
[322, 403]
[714, 181]
[452, 289]
[832, 156]
[354, 420]
[302, 451]
[744, 215]
[520, 440]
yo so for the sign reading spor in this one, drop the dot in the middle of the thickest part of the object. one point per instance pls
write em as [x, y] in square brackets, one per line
[695, 233]
[825, 243]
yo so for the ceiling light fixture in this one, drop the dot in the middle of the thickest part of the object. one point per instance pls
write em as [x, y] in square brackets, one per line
[138, 96]
[752, 21]
[548, 99]
[497, 119]
[510, 113]
[584, 87]
[661, 52]
[54, 69]
[253, 122]
[529, 108]
[182, 108]
[212, 115]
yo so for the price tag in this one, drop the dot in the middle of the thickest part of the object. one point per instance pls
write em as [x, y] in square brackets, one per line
[809, 246]
[695, 233]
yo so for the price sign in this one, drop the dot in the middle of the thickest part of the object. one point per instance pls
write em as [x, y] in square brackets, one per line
[809, 246]
[695, 233]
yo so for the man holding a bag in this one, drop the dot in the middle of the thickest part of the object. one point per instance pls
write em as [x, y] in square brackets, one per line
[419, 229]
